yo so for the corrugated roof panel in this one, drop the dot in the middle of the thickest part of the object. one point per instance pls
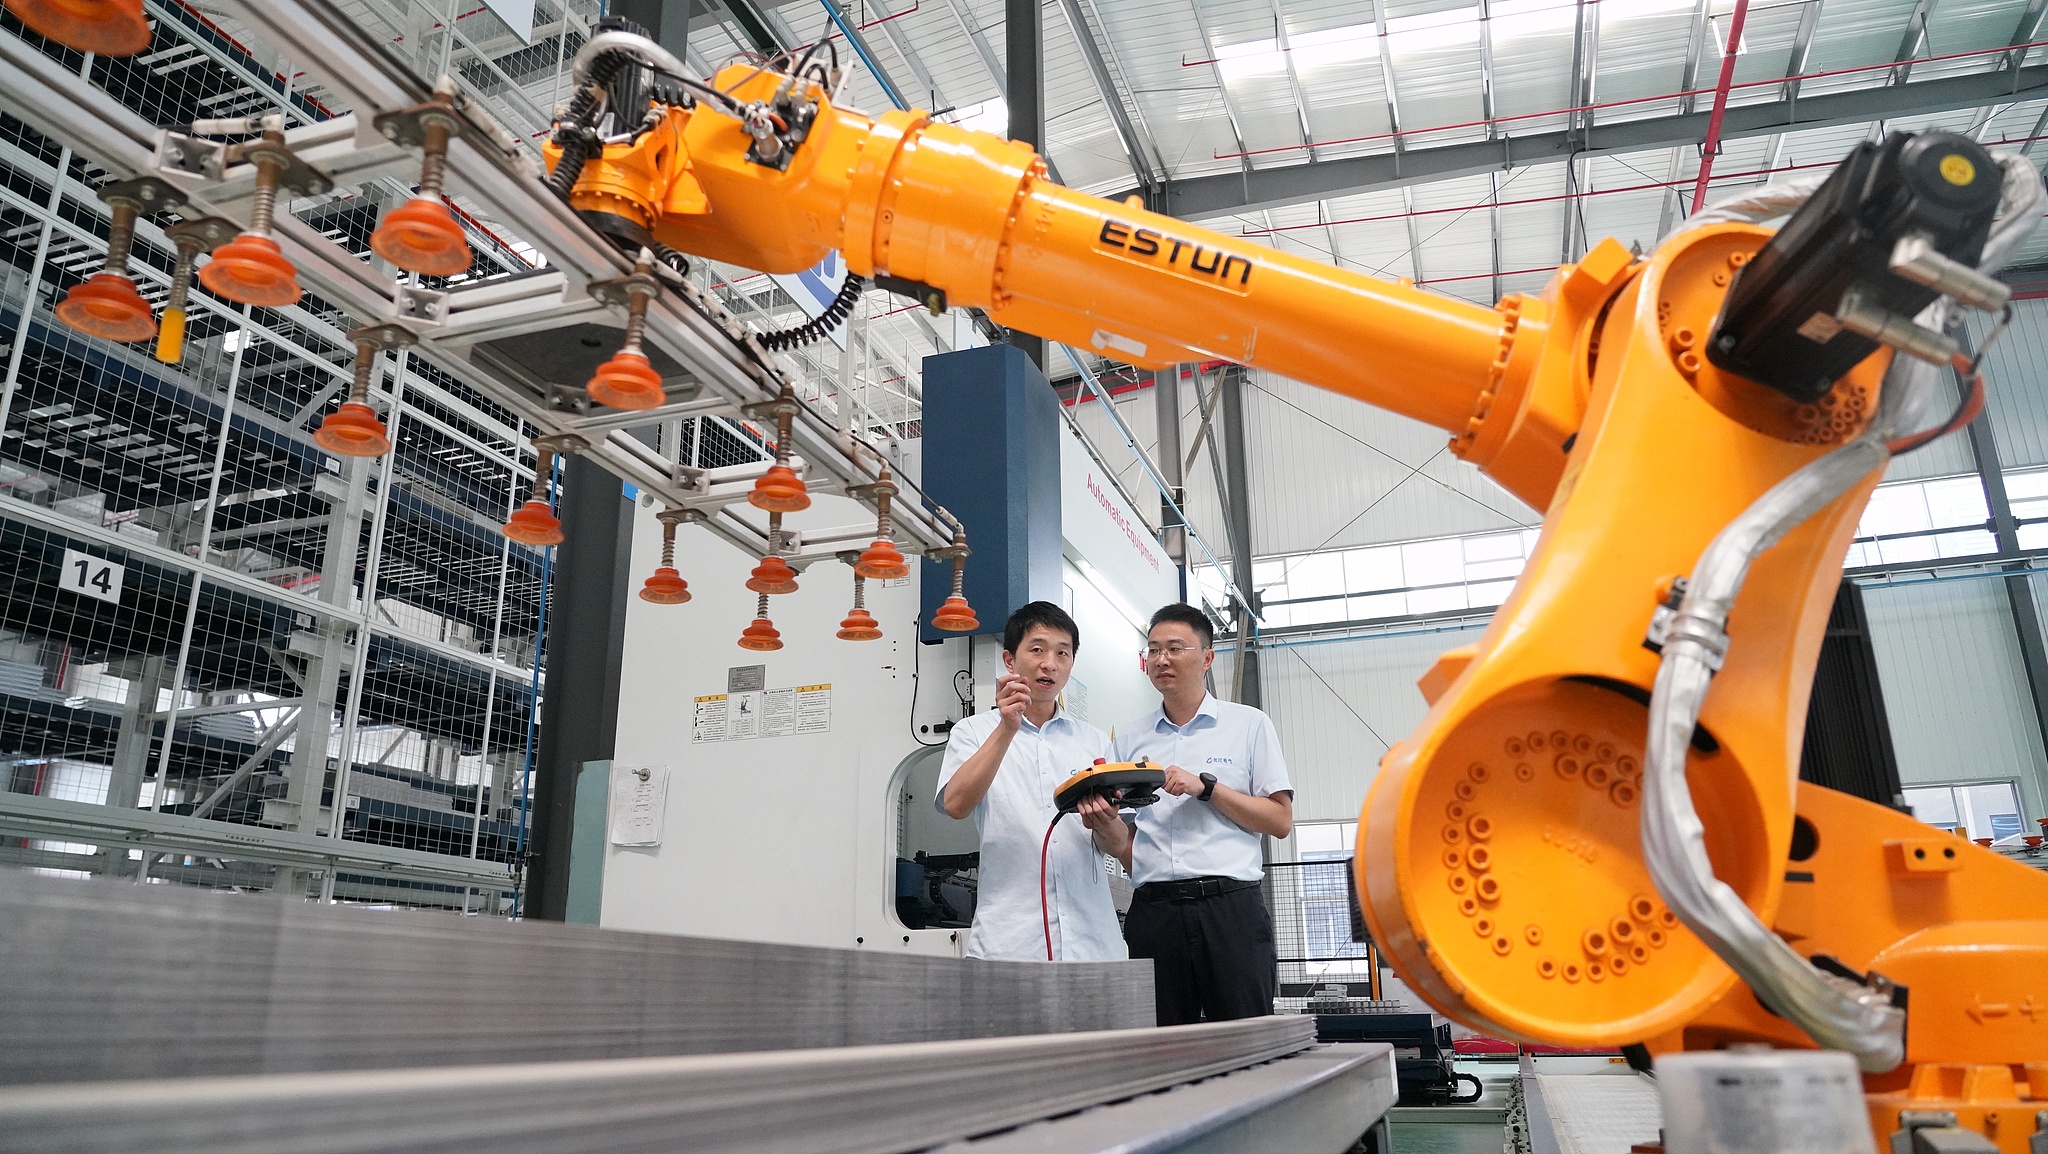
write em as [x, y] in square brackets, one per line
[1437, 67]
[1182, 106]
[1849, 35]
[1532, 61]
[1642, 52]
[1970, 25]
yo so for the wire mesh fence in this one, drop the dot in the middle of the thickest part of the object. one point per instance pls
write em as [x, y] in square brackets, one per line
[219, 642]
[1326, 958]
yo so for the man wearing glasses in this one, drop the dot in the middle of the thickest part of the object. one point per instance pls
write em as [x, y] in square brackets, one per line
[1195, 857]
[1001, 769]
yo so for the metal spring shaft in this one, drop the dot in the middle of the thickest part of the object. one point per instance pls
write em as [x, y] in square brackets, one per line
[120, 239]
[181, 276]
[263, 208]
[434, 161]
[366, 361]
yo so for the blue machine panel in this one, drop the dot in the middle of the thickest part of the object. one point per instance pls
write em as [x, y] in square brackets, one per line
[992, 458]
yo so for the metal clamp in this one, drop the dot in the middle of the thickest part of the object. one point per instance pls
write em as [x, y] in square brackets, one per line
[206, 233]
[292, 173]
[620, 291]
[384, 336]
[423, 306]
[562, 443]
[146, 193]
[408, 126]
[193, 156]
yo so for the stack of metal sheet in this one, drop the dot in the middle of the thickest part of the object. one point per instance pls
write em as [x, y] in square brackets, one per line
[863, 1098]
[185, 1021]
[105, 979]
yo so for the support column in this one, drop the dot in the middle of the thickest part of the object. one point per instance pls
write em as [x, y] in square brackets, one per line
[1166, 417]
[1237, 517]
[580, 695]
[1024, 79]
[2019, 592]
[667, 21]
[131, 749]
[325, 647]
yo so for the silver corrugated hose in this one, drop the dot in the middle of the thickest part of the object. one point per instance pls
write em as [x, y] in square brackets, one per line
[1837, 1012]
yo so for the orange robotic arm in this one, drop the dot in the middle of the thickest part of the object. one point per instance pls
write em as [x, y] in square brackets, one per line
[1499, 857]
[974, 217]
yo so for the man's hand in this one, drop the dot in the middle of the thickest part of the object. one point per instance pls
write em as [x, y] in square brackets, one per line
[1097, 813]
[1181, 783]
[1012, 697]
[1112, 836]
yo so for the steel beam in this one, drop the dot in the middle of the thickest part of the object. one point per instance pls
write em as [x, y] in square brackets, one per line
[1112, 99]
[1024, 93]
[1200, 198]
[1237, 466]
[1166, 419]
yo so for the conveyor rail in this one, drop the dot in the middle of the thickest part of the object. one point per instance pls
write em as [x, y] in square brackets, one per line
[856, 1099]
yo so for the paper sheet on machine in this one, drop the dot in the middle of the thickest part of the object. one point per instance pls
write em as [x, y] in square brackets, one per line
[639, 797]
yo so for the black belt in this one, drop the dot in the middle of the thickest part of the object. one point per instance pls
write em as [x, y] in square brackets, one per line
[1190, 889]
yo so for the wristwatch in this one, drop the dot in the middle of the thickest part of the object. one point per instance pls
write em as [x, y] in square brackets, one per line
[1208, 785]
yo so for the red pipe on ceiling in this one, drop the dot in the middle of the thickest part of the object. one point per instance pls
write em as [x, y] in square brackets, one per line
[1712, 144]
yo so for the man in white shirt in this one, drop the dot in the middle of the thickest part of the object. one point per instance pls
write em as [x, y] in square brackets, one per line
[1195, 858]
[1001, 769]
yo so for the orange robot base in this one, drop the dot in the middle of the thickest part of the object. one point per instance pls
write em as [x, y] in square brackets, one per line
[1957, 925]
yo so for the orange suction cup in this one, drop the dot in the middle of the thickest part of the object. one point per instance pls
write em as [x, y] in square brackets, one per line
[780, 490]
[353, 430]
[772, 575]
[108, 27]
[421, 236]
[251, 270]
[954, 616]
[761, 635]
[534, 524]
[882, 561]
[665, 587]
[860, 625]
[627, 381]
[107, 305]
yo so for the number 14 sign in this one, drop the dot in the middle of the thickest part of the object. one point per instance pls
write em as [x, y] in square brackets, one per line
[92, 576]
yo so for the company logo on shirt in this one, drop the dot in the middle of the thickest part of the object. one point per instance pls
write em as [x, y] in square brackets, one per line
[1222, 761]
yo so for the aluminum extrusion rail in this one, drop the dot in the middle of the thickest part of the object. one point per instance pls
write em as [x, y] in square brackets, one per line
[714, 349]
[853, 1098]
[1318, 1101]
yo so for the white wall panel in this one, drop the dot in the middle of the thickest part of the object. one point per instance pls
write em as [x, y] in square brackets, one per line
[1330, 471]
[2016, 383]
[1338, 705]
[1954, 685]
